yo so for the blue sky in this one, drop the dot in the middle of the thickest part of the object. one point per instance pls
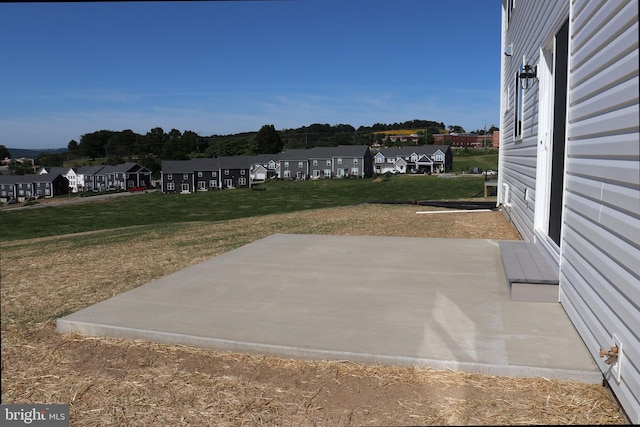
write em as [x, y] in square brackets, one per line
[223, 67]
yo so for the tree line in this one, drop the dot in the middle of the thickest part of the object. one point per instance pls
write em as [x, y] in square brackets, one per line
[157, 145]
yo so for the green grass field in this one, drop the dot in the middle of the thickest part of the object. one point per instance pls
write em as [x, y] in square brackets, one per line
[465, 161]
[275, 197]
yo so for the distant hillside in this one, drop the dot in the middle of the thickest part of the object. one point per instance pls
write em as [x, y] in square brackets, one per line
[17, 153]
[399, 132]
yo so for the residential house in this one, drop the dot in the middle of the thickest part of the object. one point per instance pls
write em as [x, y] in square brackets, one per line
[321, 162]
[68, 173]
[206, 174]
[294, 164]
[264, 166]
[465, 140]
[127, 176]
[413, 138]
[413, 159]
[7, 188]
[353, 161]
[178, 176]
[49, 184]
[235, 171]
[23, 187]
[91, 178]
[570, 169]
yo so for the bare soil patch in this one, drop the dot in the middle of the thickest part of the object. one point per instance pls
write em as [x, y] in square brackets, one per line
[126, 382]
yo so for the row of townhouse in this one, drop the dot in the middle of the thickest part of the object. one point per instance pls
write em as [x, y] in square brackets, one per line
[54, 181]
[414, 159]
[20, 188]
[124, 176]
[203, 174]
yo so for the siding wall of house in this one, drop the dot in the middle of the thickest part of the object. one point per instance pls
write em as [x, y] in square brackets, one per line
[532, 24]
[599, 250]
[601, 245]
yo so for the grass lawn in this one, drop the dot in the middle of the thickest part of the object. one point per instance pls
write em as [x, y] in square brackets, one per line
[275, 197]
[465, 161]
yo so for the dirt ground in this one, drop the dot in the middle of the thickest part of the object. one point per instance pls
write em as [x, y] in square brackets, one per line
[124, 382]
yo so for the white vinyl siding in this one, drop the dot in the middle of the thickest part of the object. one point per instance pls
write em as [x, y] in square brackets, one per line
[601, 247]
[600, 241]
[532, 26]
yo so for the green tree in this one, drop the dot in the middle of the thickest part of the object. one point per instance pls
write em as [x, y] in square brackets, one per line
[154, 140]
[4, 152]
[21, 168]
[268, 141]
[95, 144]
[49, 159]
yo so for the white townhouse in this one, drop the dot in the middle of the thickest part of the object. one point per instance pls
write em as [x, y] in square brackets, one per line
[69, 173]
[570, 166]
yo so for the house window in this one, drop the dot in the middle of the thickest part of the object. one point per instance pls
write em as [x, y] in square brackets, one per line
[327, 173]
[214, 174]
[510, 6]
[355, 161]
[355, 171]
[379, 159]
[171, 186]
[286, 164]
[328, 162]
[185, 188]
[202, 185]
[226, 171]
[242, 171]
[228, 183]
[185, 176]
[242, 181]
[300, 165]
[169, 176]
[213, 183]
[315, 163]
[316, 173]
[199, 174]
[339, 160]
[287, 174]
[517, 118]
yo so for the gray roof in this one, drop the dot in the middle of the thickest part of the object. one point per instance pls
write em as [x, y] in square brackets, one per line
[55, 170]
[236, 162]
[16, 179]
[90, 170]
[410, 149]
[202, 164]
[177, 166]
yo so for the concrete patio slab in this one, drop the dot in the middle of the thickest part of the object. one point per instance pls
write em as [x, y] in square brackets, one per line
[442, 303]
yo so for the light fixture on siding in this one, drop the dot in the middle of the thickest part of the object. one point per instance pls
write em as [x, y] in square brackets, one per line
[528, 74]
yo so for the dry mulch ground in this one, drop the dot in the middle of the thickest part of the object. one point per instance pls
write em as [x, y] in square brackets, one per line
[124, 382]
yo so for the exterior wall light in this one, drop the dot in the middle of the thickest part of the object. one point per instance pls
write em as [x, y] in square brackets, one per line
[527, 75]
